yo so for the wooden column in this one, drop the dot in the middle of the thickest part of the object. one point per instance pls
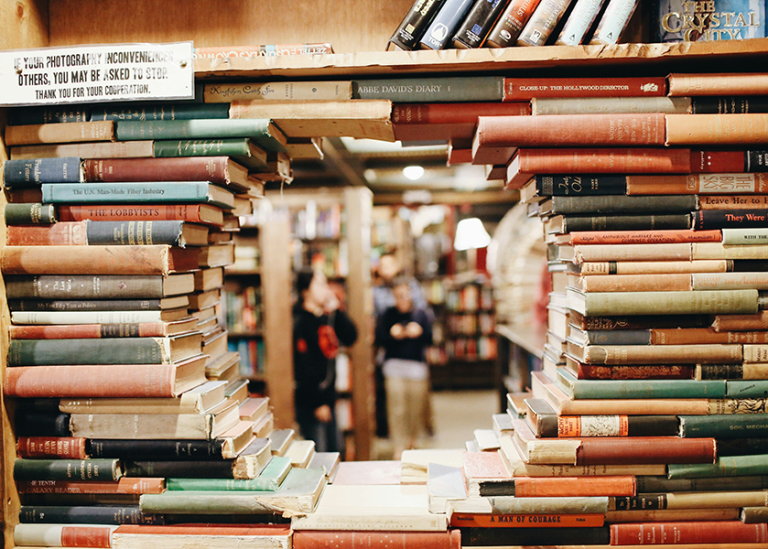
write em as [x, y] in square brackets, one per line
[276, 284]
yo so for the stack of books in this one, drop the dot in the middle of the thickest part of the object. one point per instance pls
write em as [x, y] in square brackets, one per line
[654, 365]
[130, 405]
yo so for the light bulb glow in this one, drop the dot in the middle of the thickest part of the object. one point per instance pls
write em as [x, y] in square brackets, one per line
[413, 172]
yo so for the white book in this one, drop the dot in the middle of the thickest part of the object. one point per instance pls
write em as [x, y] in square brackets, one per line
[414, 463]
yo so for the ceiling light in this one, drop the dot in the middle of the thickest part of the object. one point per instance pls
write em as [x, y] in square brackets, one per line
[470, 233]
[413, 172]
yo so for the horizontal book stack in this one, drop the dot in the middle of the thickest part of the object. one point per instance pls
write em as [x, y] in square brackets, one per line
[653, 365]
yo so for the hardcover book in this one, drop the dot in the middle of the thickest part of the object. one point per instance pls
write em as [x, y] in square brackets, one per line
[444, 23]
[509, 26]
[412, 27]
[678, 21]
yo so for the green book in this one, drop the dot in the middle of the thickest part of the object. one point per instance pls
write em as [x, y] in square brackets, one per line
[159, 111]
[663, 303]
[440, 89]
[262, 130]
[146, 192]
[30, 214]
[724, 466]
[242, 150]
[725, 426]
[638, 388]
[747, 388]
[269, 480]
[67, 469]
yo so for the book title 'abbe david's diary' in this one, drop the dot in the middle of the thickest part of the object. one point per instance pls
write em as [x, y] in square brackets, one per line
[681, 21]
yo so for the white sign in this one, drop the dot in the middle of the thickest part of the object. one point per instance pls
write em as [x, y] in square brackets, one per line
[85, 74]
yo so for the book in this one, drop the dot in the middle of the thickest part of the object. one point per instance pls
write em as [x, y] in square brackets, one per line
[725, 323]
[649, 484]
[613, 22]
[436, 121]
[96, 149]
[559, 224]
[30, 214]
[638, 388]
[753, 515]
[572, 487]
[732, 218]
[731, 426]
[281, 91]
[269, 479]
[710, 183]
[605, 105]
[305, 539]
[530, 506]
[63, 535]
[732, 371]
[182, 536]
[542, 22]
[540, 186]
[413, 25]
[619, 205]
[49, 114]
[78, 318]
[216, 468]
[156, 111]
[690, 500]
[523, 89]
[266, 134]
[67, 469]
[440, 30]
[86, 514]
[123, 485]
[50, 447]
[146, 380]
[73, 132]
[671, 21]
[206, 214]
[744, 237]
[431, 89]
[730, 104]
[145, 350]
[485, 537]
[576, 238]
[466, 520]
[474, 29]
[244, 151]
[97, 286]
[262, 50]
[511, 22]
[716, 129]
[579, 22]
[32, 172]
[169, 192]
[723, 466]
[688, 532]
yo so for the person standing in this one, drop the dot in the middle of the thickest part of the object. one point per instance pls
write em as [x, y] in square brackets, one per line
[405, 333]
[319, 329]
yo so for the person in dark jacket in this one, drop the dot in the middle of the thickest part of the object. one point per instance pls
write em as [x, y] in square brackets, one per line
[319, 329]
[405, 333]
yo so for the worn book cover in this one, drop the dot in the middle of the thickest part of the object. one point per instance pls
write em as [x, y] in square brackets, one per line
[681, 21]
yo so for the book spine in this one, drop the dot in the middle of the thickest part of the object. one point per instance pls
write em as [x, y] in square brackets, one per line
[75, 132]
[92, 514]
[431, 89]
[58, 535]
[187, 469]
[723, 466]
[649, 484]
[85, 317]
[507, 520]
[125, 193]
[543, 21]
[56, 114]
[732, 371]
[729, 105]
[222, 484]
[200, 147]
[706, 161]
[672, 303]
[79, 331]
[637, 283]
[473, 31]
[714, 183]
[637, 322]
[644, 388]
[263, 50]
[754, 515]
[735, 323]
[28, 305]
[507, 29]
[606, 105]
[721, 531]
[627, 223]
[644, 237]
[162, 111]
[123, 486]
[440, 30]
[707, 84]
[579, 22]
[44, 447]
[542, 535]
[153, 212]
[67, 469]
[58, 234]
[115, 149]
[47, 424]
[727, 281]
[574, 486]
[717, 129]
[680, 251]
[642, 450]
[149, 380]
[454, 113]
[314, 539]
[271, 91]
[726, 219]
[33, 172]
[716, 250]
[744, 237]
[703, 335]
[595, 371]
[48, 352]
[83, 287]
[159, 449]
[416, 21]
[619, 130]
[30, 214]
[608, 161]
[613, 22]
[130, 233]
[724, 426]
[657, 267]
[578, 185]
[213, 169]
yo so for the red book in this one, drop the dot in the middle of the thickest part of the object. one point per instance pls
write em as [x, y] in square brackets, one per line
[440, 121]
[641, 237]
[194, 213]
[654, 533]
[86, 331]
[177, 536]
[533, 487]
[617, 450]
[344, 539]
[62, 535]
[517, 89]
[569, 130]
[51, 447]
[126, 485]
[651, 371]
[64, 233]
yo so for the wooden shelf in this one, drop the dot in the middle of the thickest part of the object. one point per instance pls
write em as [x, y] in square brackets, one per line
[529, 338]
[685, 56]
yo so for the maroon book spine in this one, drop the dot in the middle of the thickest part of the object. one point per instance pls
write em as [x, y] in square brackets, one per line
[51, 447]
[586, 371]
[454, 113]
[721, 531]
[337, 539]
[645, 450]
[517, 89]
[202, 168]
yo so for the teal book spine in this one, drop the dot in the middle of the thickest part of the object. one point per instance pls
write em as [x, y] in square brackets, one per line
[201, 147]
[747, 388]
[160, 111]
[50, 352]
[175, 192]
[724, 466]
[67, 469]
[261, 130]
[454, 89]
[268, 480]
[638, 388]
[725, 426]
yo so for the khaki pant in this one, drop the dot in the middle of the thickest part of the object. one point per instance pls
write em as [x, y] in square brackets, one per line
[406, 405]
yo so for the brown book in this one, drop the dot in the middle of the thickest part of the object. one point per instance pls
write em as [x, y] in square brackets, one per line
[74, 132]
[704, 532]
[714, 84]
[633, 283]
[613, 485]
[716, 129]
[133, 380]
[733, 202]
[460, 152]
[732, 371]
[644, 371]
[656, 354]
[83, 331]
[103, 149]
[694, 336]
[205, 214]
[51, 447]
[438, 121]
[575, 130]
[639, 237]
[698, 183]
[208, 279]
[218, 255]
[125, 485]
[203, 300]
[305, 148]
[217, 169]
[671, 515]
[634, 252]
[127, 260]
[655, 267]
[741, 323]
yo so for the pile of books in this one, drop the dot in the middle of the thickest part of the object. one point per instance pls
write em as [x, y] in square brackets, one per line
[652, 394]
[130, 413]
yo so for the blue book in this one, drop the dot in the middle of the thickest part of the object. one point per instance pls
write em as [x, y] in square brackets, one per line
[149, 192]
[34, 171]
[443, 26]
[682, 21]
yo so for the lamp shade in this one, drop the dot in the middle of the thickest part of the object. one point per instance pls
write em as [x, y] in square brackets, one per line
[470, 233]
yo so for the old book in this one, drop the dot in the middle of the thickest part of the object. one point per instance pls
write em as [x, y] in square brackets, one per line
[691, 500]
[206, 214]
[633, 371]
[511, 22]
[169, 303]
[517, 89]
[67, 469]
[613, 21]
[33, 172]
[605, 105]
[585, 536]
[218, 255]
[97, 286]
[305, 539]
[90, 260]
[474, 29]
[744, 237]
[216, 468]
[511, 520]
[414, 463]
[184, 536]
[689, 532]
[63, 535]
[330, 118]
[146, 380]
[368, 472]
[298, 494]
[156, 111]
[105, 318]
[703, 183]
[754, 515]
[530, 505]
[245, 151]
[431, 90]
[647, 484]
[438, 33]
[372, 508]
[33, 213]
[102, 149]
[717, 84]
[542, 22]
[484, 471]
[147, 350]
[300, 452]
[86, 514]
[444, 484]
[627, 268]
[723, 466]
[732, 371]
[51, 447]
[745, 322]
[559, 224]
[262, 50]
[719, 129]
[123, 485]
[540, 186]
[305, 147]
[220, 170]
[413, 25]
[730, 426]
[729, 104]
[266, 134]
[269, 479]
[279, 91]
[37, 134]
[579, 22]
[570, 205]
[639, 237]
[733, 218]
